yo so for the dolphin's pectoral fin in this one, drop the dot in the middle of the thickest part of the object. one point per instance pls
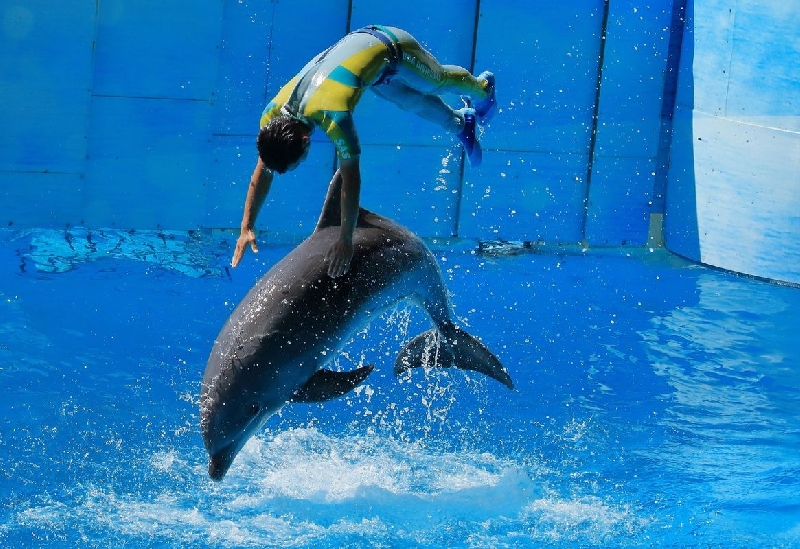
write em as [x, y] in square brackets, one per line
[327, 385]
[459, 349]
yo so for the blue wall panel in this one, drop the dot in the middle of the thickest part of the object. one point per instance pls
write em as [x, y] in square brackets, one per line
[618, 212]
[528, 196]
[546, 65]
[744, 189]
[740, 69]
[629, 123]
[764, 74]
[149, 161]
[545, 57]
[232, 163]
[680, 221]
[707, 86]
[41, 199]
[633, 79]
[158, 48]
[416, 185]
[44, 89]
[243, 65]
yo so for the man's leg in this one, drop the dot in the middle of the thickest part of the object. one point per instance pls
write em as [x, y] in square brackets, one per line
[420, 70]
[426, 105]
[460, 122]
[419, 80]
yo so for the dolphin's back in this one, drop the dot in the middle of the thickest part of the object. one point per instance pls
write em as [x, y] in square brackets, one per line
[297, 296]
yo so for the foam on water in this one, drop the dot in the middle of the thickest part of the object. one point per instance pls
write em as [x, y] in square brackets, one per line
[303, 487]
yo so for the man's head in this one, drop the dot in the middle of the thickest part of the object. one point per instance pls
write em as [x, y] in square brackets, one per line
[283, 143]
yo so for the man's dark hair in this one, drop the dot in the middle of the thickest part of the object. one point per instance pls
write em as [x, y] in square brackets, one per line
[280, 143]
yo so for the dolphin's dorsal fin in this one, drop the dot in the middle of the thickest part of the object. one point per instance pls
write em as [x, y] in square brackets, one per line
[331, 215]
[327, 384]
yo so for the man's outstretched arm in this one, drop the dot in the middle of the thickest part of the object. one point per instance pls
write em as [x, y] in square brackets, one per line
[259, 187]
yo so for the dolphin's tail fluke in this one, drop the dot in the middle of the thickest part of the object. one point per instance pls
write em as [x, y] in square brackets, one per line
[458, 349]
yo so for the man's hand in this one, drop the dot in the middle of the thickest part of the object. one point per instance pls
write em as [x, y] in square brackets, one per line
[247, 237]
[339, 257]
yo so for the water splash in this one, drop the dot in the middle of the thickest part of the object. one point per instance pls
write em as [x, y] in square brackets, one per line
[305, 488]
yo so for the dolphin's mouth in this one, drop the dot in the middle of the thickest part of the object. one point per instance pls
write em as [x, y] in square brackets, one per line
[220, 462]
[220, 458]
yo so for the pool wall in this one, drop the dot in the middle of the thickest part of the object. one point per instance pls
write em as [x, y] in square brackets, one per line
[143, 115]
[733, 199]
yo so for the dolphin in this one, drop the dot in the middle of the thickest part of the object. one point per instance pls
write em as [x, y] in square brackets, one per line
[273, 349]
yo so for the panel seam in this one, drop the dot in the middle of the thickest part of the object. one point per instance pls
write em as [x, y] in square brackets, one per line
[595, 119]
[462, 172]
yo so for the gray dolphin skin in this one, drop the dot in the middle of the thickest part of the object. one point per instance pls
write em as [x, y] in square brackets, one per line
[273, 348]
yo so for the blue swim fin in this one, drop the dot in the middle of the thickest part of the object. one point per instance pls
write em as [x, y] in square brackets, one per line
[485, 108]
[468, 138]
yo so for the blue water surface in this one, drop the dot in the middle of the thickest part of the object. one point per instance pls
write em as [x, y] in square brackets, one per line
[656, 406]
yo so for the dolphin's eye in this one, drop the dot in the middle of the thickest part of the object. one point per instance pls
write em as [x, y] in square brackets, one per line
[253, 410]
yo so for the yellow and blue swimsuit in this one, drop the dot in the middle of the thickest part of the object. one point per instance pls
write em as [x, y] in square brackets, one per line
[325, 92]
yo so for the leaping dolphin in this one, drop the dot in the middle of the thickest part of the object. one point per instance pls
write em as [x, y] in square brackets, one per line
[273, 348]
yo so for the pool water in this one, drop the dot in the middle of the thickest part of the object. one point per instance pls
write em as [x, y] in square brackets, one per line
[656, 405]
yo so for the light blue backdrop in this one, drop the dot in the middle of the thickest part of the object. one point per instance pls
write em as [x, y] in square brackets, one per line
[734, 195]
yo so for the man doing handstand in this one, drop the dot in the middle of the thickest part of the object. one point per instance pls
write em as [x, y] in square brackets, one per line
[391, 63]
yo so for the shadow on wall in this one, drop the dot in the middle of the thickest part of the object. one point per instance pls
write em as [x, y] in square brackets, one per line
[680, 221]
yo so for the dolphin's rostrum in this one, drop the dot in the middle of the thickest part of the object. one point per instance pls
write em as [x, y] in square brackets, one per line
[273, 348]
